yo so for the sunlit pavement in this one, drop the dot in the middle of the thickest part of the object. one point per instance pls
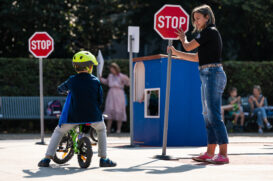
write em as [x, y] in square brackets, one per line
[251, 158]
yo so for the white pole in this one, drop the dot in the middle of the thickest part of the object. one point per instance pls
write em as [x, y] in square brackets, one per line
[41, 100]
[167, 100]
[131, 90]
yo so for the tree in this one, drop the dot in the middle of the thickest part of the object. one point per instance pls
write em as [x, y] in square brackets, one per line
[20, 19]
[246, 26]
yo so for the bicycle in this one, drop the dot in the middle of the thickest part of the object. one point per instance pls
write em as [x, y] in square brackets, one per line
[74, 142]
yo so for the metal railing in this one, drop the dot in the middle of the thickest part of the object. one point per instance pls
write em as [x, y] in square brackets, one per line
[25, 107]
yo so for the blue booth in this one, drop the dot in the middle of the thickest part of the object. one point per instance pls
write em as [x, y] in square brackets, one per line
[186, 124]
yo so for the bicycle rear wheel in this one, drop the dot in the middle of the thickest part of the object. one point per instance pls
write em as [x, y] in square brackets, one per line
[85, 152]
[64, 150]
[94, 135]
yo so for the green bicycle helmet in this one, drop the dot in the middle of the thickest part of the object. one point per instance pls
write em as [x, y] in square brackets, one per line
[83, 60]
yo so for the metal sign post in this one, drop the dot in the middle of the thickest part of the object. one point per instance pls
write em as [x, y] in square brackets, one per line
[41, 101]
[167, 100]
[167, 105]
[131, 39]
[133, 46]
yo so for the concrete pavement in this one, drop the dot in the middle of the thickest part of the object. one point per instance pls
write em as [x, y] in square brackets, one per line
[251, 158]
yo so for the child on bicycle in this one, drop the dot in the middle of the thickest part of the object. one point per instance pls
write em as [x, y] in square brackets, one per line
[84, 107]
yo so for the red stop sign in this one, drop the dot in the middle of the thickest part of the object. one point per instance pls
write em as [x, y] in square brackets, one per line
[168, 19]
[40, 44]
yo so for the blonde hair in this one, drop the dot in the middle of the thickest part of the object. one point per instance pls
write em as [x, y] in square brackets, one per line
[205, 10]
[116, 67]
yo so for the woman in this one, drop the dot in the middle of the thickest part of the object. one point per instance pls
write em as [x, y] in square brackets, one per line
[213, 78]
[257, 103]
[115, 107]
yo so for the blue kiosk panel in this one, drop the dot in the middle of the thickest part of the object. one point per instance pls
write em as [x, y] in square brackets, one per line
[186, 124]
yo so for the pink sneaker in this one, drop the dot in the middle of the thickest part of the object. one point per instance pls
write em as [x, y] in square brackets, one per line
[203, 157]
[219, 159]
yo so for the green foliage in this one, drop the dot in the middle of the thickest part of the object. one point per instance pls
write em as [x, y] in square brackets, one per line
[20, 76]
[246, 26]
[20, 19]
[73, 24]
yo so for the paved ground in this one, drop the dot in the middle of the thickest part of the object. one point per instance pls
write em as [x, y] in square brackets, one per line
[251, 158]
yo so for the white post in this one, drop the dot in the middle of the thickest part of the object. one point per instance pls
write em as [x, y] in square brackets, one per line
[131, 90]
[41, 101]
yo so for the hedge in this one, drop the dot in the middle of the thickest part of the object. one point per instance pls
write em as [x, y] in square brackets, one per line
[244, 75]
[20, 76]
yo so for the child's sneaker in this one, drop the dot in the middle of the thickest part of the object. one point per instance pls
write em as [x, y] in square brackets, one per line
[44, 162]
[106, 162]
[203, 157]
[219, 159]
[268, 126]
[260, 131]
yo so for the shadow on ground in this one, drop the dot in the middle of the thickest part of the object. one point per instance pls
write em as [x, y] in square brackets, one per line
[268, 147]
[240, 154]
[54, 170]
[158, 169]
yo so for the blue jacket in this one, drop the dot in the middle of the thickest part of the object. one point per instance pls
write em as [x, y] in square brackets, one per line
[83, 101]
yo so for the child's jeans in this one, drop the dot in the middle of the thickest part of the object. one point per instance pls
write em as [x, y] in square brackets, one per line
[261, 115]
[213, 84]
[59, 132]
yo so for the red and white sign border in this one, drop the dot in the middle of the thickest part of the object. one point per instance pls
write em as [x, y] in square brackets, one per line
[171, 5]
[38, 32]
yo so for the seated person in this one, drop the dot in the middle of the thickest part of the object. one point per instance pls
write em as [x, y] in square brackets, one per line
[257, 103]
[237, 109]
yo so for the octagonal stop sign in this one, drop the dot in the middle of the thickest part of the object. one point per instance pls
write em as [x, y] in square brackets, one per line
[40, 44]
[170, 18]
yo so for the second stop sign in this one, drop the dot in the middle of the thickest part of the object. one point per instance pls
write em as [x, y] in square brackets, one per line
[168, 19]
[40, 44]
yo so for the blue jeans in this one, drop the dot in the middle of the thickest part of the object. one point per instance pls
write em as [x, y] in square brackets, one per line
[213, 81]
[261, 115]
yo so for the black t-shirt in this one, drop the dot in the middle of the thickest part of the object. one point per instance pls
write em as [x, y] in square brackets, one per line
[210, 49]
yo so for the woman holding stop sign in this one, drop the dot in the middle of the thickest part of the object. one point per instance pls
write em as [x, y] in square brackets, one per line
[213, 78]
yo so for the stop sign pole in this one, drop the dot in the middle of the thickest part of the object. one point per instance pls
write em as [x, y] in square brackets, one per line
[40, 44]
[166, 21]
[41, 102]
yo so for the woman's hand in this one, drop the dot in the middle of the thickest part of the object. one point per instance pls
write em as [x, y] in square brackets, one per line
[172, 49]
[181, 35]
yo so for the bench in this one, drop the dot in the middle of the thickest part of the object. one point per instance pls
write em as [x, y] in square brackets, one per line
[25, 107]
